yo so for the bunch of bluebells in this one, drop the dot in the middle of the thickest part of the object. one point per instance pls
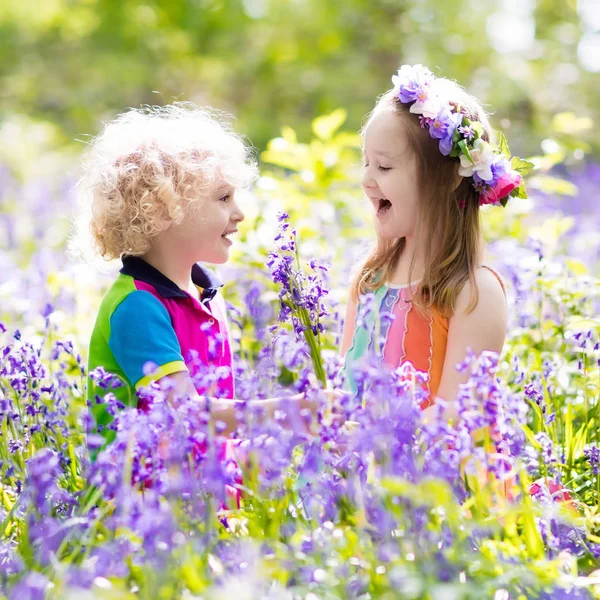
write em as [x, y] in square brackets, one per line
[489, 426]
[496, 176]
[301, 295]
[34, 404]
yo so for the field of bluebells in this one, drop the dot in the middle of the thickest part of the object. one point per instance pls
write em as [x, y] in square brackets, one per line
[383, 506]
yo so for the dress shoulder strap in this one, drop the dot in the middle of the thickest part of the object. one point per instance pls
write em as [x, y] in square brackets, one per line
[498, 277]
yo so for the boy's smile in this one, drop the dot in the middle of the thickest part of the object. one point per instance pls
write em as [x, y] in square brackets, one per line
[228, 233]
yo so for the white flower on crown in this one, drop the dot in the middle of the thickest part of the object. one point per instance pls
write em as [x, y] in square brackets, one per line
[415, 74]
[428, 104]
[483, 156]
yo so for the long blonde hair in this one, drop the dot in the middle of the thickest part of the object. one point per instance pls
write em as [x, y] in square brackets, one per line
[448, 212]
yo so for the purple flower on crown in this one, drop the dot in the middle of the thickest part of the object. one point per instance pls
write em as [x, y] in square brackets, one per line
[424, 121]
[412, 86]
[467, 132]
[499, 168]
[412, 82]
[443, 127]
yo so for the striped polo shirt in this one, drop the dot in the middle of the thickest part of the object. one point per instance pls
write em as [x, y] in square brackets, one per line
[147, 327]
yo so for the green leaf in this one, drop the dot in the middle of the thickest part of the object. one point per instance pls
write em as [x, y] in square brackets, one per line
[325, 127]
[531, 535]
[520, 192]
[477, 127]
[531, 437]
[521, 166]
[465, 150]
[503, 145]
[569, 436]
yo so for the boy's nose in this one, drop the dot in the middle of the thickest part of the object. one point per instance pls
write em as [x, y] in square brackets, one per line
[238, 216]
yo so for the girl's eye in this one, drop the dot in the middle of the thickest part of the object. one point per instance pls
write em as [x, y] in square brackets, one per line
[224, 198]
[384, 169]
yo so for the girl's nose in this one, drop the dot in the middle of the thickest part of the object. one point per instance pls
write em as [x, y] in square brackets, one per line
[367, 179]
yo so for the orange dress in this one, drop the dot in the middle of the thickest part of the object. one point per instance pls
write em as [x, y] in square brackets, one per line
[410, 336]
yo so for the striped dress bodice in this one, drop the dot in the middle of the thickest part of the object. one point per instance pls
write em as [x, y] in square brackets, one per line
[409, 336]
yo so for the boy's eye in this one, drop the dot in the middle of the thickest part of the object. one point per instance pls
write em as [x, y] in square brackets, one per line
[224, 198]
[385, 169]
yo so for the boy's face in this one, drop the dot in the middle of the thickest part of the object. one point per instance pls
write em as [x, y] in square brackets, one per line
[389, 177]
[205, 232]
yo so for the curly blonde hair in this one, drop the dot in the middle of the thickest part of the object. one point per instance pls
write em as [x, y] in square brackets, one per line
[149, 165]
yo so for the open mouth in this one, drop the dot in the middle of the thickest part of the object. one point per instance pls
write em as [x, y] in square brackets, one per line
[227, 234]
[383, 206]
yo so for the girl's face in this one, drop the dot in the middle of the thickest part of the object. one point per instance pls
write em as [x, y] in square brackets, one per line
[205, 232]
[389, 178]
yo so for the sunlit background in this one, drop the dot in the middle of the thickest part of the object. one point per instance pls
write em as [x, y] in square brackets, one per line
[391, 507]
[66, 67]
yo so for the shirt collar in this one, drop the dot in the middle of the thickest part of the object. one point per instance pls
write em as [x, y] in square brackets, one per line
[139, 269]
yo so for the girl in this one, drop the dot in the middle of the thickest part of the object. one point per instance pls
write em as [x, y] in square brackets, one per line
[162, 183]
[430, 163]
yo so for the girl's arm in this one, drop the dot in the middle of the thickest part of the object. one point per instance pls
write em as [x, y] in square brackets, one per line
[349, 324]
[225, 409]
[482, 329]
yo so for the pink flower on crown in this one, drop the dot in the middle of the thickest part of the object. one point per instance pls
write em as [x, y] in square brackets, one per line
[510, 181]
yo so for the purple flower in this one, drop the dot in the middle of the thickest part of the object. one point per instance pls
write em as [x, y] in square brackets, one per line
[10, 561]
[33, 587]
[442, 128]
[43, 469]
[46, 535]
[301, 295]
[467, 132]
[593, 456]
[47, 310]
[499, 167]
[412, 82]
[104, 379]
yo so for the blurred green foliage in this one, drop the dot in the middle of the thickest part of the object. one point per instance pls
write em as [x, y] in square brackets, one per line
[74, 63]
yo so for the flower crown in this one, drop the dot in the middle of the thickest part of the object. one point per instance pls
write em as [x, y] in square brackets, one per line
[496, 176]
